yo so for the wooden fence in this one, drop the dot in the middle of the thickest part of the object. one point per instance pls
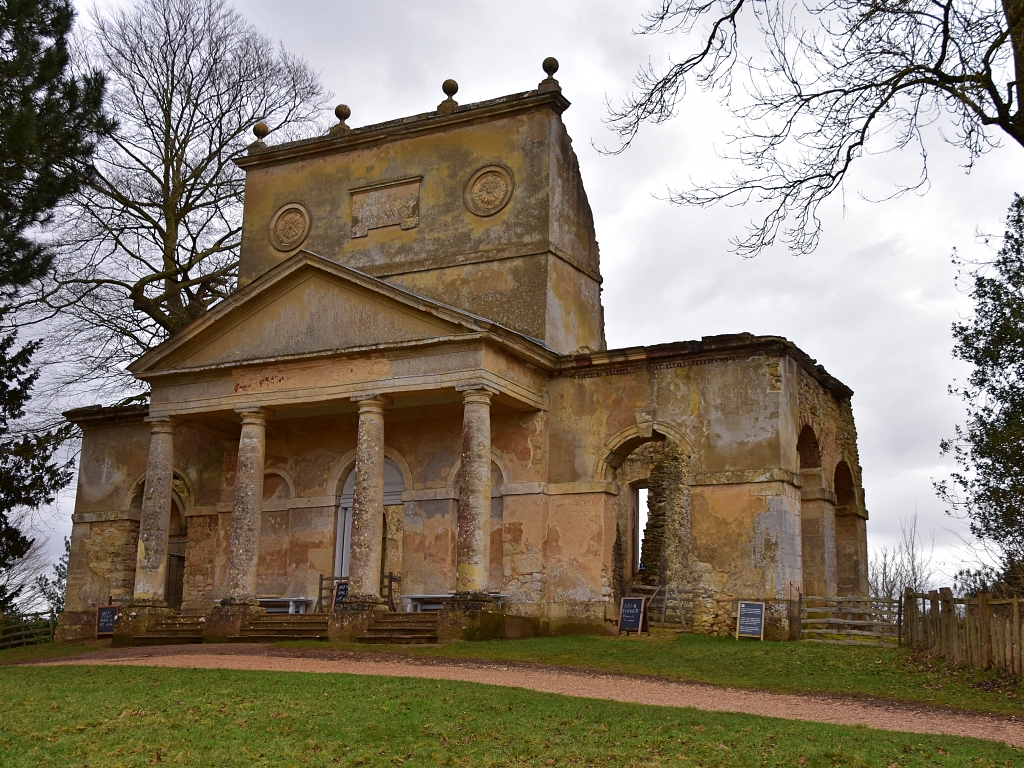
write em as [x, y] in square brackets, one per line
[850, 620]
[976, 632]
[27, 629]
[667, 606]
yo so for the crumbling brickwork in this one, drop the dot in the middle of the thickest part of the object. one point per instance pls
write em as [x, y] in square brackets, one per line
[666, 546]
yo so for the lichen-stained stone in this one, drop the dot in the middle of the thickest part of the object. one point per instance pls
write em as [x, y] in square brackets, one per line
[473, 567]
[154, 524]
[419, 264]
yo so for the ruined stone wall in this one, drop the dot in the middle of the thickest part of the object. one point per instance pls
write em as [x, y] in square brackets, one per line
[740, 501]
[831, 419]
[101, 566]
[832, 422]
[634, 472]
[200, 563]
[666, 546]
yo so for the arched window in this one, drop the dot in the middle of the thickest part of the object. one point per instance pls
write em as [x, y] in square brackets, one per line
[843, 485]
[394, 487]
[807, 449]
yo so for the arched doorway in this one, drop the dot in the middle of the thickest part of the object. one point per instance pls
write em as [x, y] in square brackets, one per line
[851, 555]
[817, 520]
[394, 487]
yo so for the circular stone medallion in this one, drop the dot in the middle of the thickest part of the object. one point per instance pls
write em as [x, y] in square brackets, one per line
[289, 227]
[489, 190]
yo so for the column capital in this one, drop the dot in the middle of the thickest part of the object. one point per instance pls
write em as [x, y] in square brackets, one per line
[162, 424]
[254, 414]
[372, 403]
[477, 393]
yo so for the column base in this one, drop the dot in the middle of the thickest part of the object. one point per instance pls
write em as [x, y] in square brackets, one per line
[135, 619]
[224, 623]
[350, 620]
[363, 602]
[75, 625]
[470, 616]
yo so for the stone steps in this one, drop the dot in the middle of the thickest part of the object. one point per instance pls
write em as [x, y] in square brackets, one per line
[403, 628]
[174, 630]
[274, 628]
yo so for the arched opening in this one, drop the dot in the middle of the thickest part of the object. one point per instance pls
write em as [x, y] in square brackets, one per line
[394, 487]
[850, 554]
[652, 536]
[640, 494]
[844, 486]
[817, 520]
[807, 449]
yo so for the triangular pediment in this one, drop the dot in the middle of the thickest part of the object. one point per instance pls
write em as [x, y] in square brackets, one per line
[307, 305]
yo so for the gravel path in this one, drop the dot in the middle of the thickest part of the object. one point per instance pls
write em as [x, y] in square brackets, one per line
[888, 715]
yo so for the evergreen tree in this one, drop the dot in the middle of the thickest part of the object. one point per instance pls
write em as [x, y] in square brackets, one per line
[989, 447]
[50, 120]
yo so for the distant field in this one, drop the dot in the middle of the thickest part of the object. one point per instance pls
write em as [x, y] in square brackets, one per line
[782, 667]
[125, 717]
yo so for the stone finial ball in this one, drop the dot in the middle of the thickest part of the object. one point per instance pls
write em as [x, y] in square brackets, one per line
[261, 130]
[342, 112]
[550, 65]
[450, 88]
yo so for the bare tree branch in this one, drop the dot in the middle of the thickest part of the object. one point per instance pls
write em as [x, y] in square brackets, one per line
[153, 242]
[827, 81]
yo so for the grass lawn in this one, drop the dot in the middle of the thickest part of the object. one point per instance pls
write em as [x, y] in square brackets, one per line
[105, 716]
[49, 651]
[783, 667]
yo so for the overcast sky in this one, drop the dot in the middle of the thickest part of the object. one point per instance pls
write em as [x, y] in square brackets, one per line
[873, 304]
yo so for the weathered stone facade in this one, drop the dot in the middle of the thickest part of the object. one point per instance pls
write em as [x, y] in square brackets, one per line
[412, 379]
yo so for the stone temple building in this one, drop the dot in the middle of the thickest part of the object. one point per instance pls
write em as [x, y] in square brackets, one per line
[412, 379]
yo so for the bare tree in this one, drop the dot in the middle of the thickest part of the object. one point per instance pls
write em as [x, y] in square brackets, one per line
[908, 564]
[153, 241]
[827, 80]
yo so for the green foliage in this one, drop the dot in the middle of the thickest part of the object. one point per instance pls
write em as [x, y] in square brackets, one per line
[143, 716]
[50, 120]
[989, 448]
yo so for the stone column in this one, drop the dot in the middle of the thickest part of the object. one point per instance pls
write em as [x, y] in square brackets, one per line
[367, 505]
[474, 537]
[151, 560]
[243, 550]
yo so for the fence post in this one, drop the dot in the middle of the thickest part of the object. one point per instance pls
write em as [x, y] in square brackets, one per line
[1015, 617]
[899, 623]
[934, 640]
[799, 613]
[948, 627]
[985, 627]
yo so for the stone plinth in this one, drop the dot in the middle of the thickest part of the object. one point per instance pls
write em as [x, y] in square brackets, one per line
[350, 620]
[470, 616]
[135, 621]
[224, 623]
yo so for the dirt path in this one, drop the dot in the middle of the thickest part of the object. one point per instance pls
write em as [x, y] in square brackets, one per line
[893, 716]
